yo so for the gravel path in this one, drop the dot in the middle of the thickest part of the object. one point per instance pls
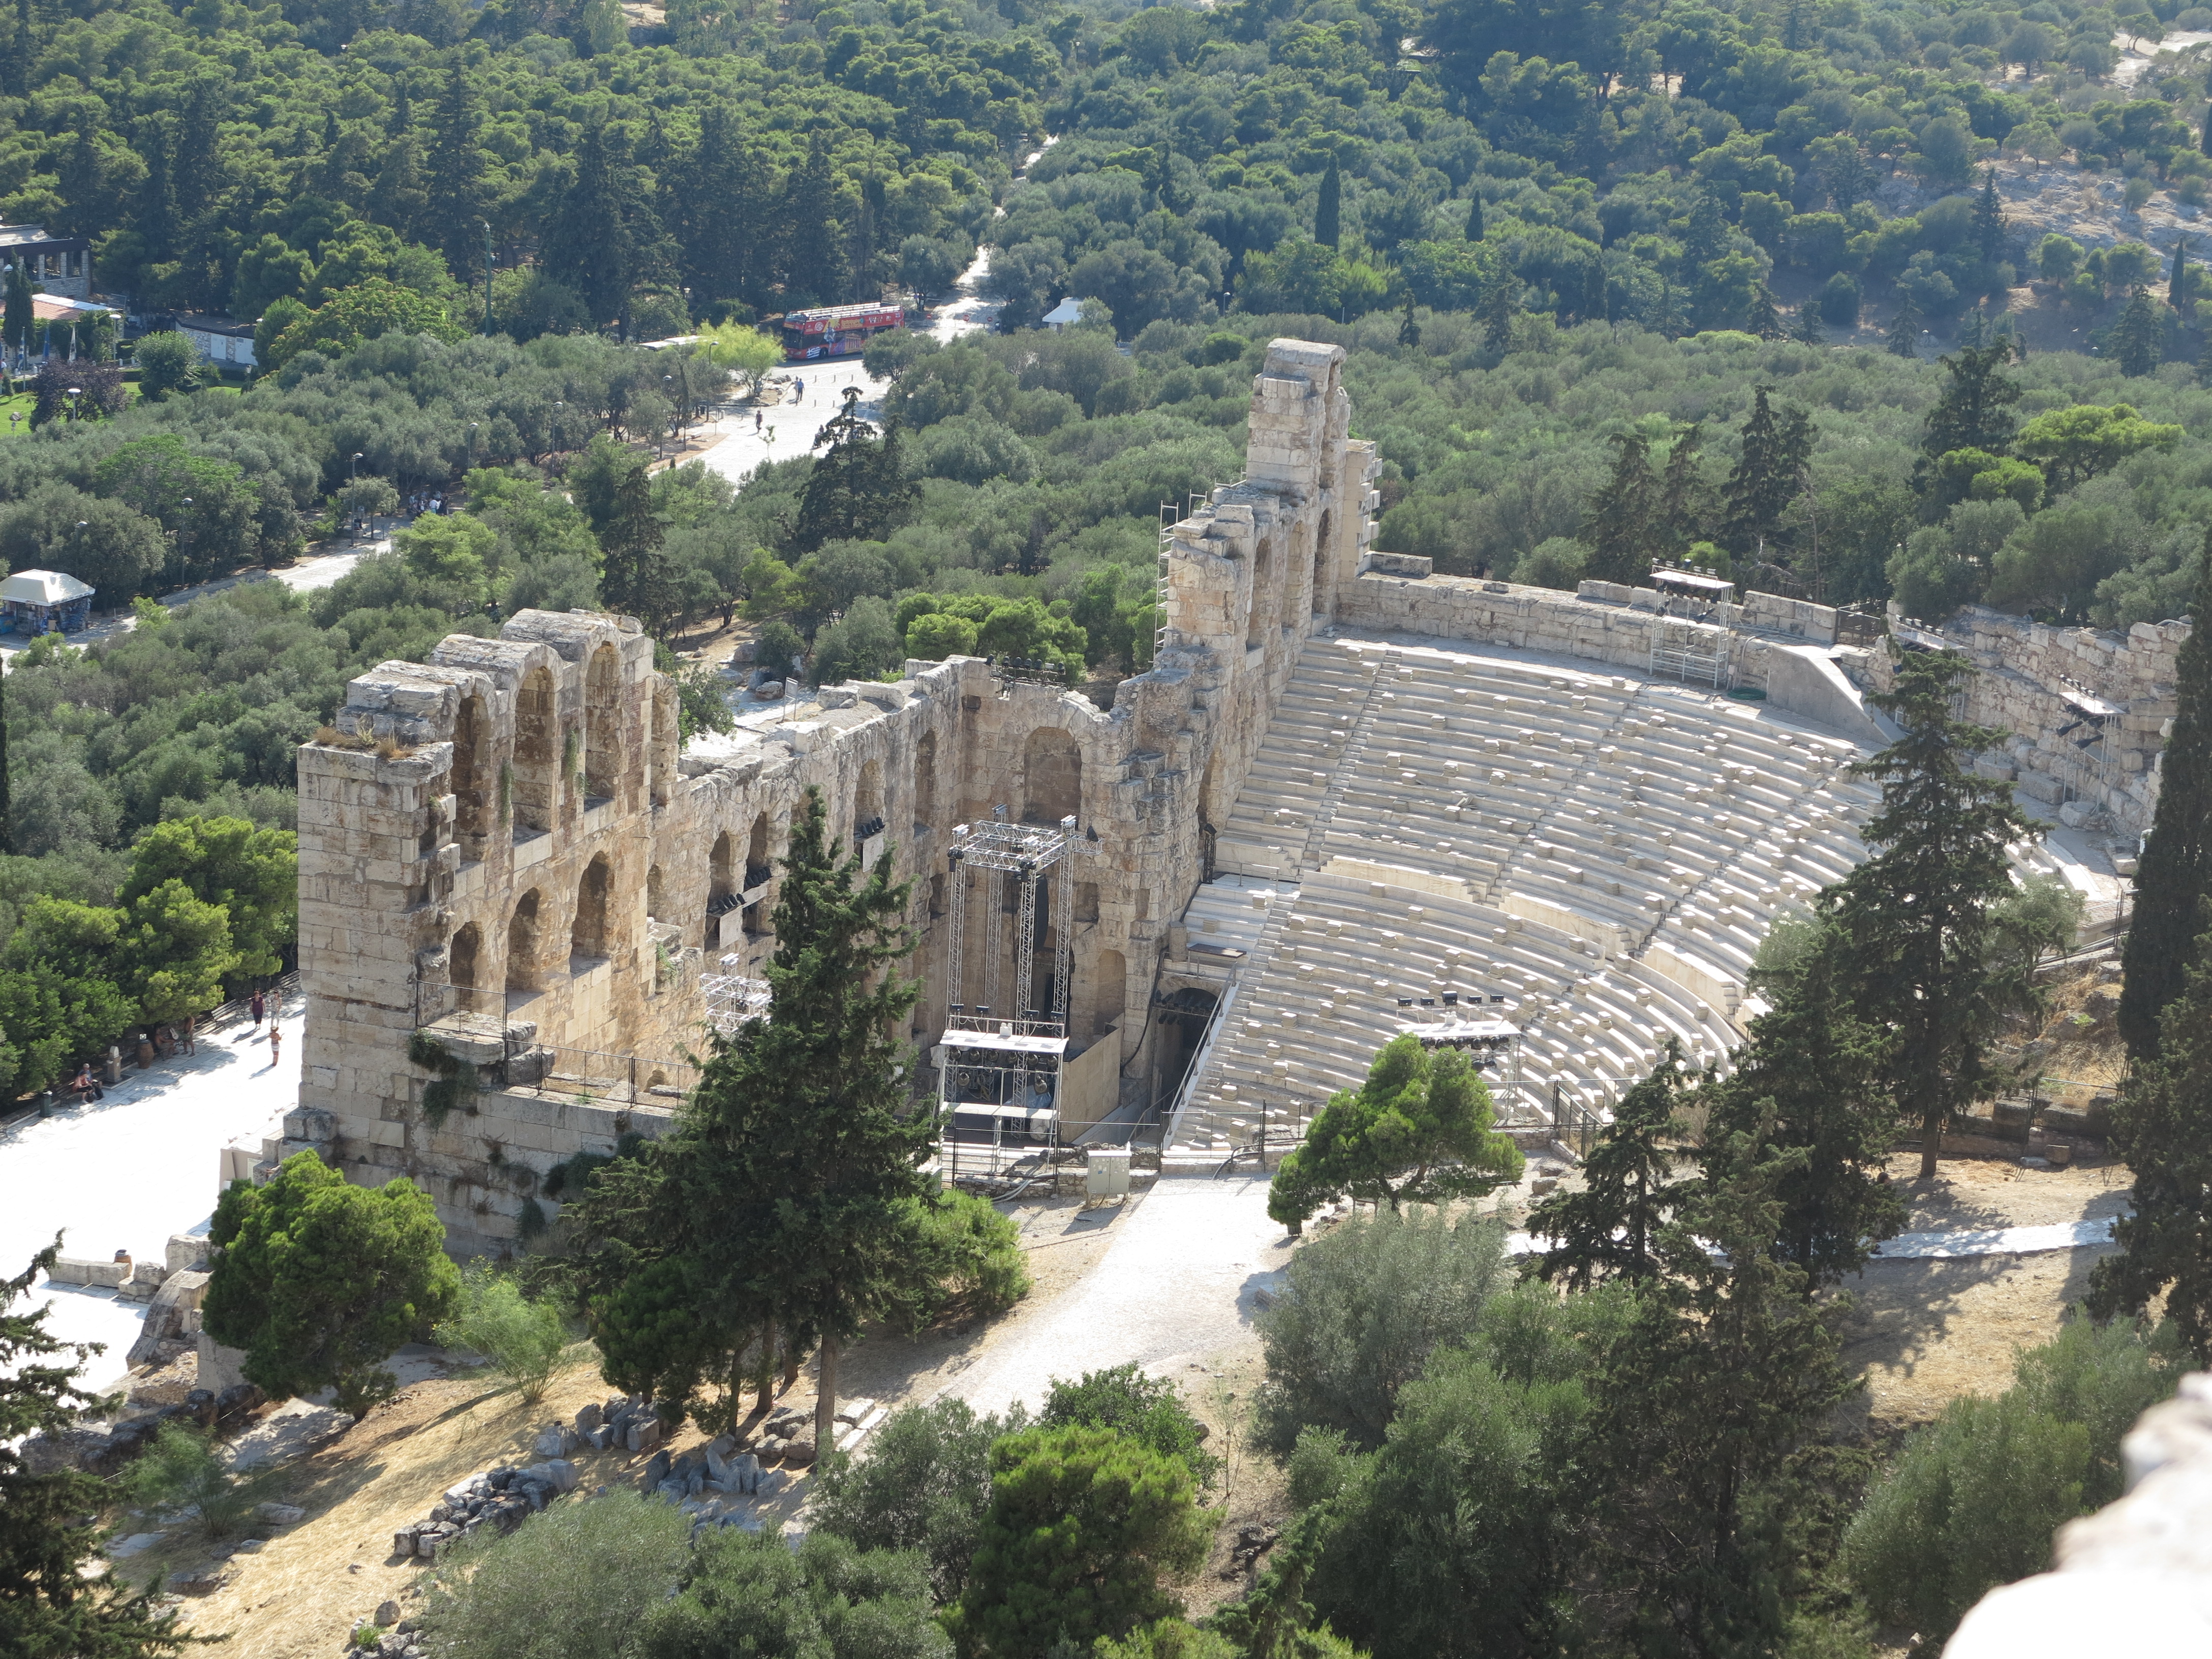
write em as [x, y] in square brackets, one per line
[1178, 1285]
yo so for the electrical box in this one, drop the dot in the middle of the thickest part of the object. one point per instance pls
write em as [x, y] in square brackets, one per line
[1106, 1173]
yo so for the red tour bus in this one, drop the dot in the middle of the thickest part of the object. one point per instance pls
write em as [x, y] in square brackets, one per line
[836, 330]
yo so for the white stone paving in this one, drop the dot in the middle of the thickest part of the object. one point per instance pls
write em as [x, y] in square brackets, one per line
[126, 1173]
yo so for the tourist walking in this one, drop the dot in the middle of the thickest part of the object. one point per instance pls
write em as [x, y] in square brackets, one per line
[260, 1006]
[275, 1046]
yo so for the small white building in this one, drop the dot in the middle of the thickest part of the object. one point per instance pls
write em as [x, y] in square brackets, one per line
[44, 601]
[223, 343]
[1065, 314]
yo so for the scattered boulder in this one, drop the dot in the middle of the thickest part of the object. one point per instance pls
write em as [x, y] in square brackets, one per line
[281, 1514]
[388, 1613]
[204, 1581]
[588, 1418]
[557, 1440]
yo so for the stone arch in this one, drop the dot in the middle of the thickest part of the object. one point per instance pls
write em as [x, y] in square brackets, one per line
[722, 878]
[522, 944]
[663, 741]
[1110, 992]
[470, 820]
[1052, 777]
[589, 933]
[925, 781]
[536, 751]
[868, 802]
[462, 957]
[652, 894]
[757, 853]
[602, 724]
[1263, 585]
[1324, 562]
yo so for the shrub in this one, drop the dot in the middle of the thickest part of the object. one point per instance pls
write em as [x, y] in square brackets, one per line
[1360, 1310]
[967, 1248]
[1083, 1524]
[572, 1582]
[1148, 1410]
[180, 1468]
[746, 1593]
[924, 1486]
[521, 1339]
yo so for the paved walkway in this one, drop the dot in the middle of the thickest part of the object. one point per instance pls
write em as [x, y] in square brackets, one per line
[126, 1173]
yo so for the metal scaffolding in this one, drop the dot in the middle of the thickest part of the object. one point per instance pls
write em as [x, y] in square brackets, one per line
[731, 999]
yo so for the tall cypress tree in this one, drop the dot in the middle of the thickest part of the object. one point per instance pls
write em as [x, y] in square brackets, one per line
[2175, 874]
[1684, 505]
[1617, 525]
[815, 249]
[635, 575]
[1474, 226]
[455, 173]
[2134, 337]
[1916, 918]
[1903, 339]
[592, 243]
[1764, 321]
[1767, 478]
[1989, 227]
[1975, 409]
[1610, 1230]
[2177, 288]
[2162, 1125]
[17, 320]
[1328, 210]
[858, 489]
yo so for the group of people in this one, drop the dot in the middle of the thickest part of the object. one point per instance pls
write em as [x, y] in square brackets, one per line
[85, 1088]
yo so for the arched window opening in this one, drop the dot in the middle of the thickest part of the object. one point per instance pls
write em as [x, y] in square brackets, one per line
[1052, 777]
[467, 785]
[1263, 586]
[924, 782]
[461, 965]
[721, 887]
[757, 853]
[664, 742]
[868, 803]
[588, 936]
[536, 752]
[1110, 992]
[602, 724]
[1324, 562]
[653, 900]
[522, 945]
[937, 895]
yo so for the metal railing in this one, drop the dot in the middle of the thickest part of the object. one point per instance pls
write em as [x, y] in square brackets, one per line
[592, 1077]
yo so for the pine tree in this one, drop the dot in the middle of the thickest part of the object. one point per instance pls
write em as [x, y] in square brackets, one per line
[636, 578]
[1474, 226]
[2175, 874]
[1617, 525]
[1903, 339]
[1409, 331]
[792, 1183]
[1915, 918]
[1597, 305]
[1764, 321]
[1767, 476]
[1328, 209]
[1610, 1230]
[1685, 506]
[1808, 331]
[815, 250]
[591, 244]
[1501, 303]
[2176, 282]
[1989, 227]
[55, 1599]
[1974, 410]
[2162, 1125]
[857, 489]
[2134, 337]
[1810, 1075]
[455, 177]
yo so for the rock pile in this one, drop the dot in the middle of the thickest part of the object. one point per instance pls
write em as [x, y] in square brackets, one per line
[498, 1497]
[624, 1423]
[103, 1452]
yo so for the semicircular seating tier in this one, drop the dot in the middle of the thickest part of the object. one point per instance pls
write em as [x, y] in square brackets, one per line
[1603, 851]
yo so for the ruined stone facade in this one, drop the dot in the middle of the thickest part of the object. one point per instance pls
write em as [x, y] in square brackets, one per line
[506, 850]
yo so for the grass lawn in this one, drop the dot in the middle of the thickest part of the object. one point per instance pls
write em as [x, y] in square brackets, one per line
[20, 405]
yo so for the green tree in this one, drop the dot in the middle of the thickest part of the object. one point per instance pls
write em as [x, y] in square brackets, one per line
[1359, 1313]
[1916, 917]
[1905, 328]
[168, 361]
[924, 1486]
[55, 1603]
[177, 951]
[635, 575]
[1763, 320]
[454, 179]
[1617, 525]
[749, 1593]
[520, 1339]
[2175, 873]
[319, 1280]
[2161, 1126]
[1084, 1525]
[745, 352]
[182, 1469]
[1147, 1409]
[787, 1190]
[575, 1582]
[1328, 208]
[2136, 344]
[16, 319]
[366, 310]
[1685, 506]
[252, 874]
[1989, 229]
[1768, 475]
[1610, 1228]
[2079, 442]
[857, 490]
[1474, 226]
[1419, 1131]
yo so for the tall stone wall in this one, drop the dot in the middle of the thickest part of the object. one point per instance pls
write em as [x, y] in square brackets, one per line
[2039, 683]
[507, 852]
